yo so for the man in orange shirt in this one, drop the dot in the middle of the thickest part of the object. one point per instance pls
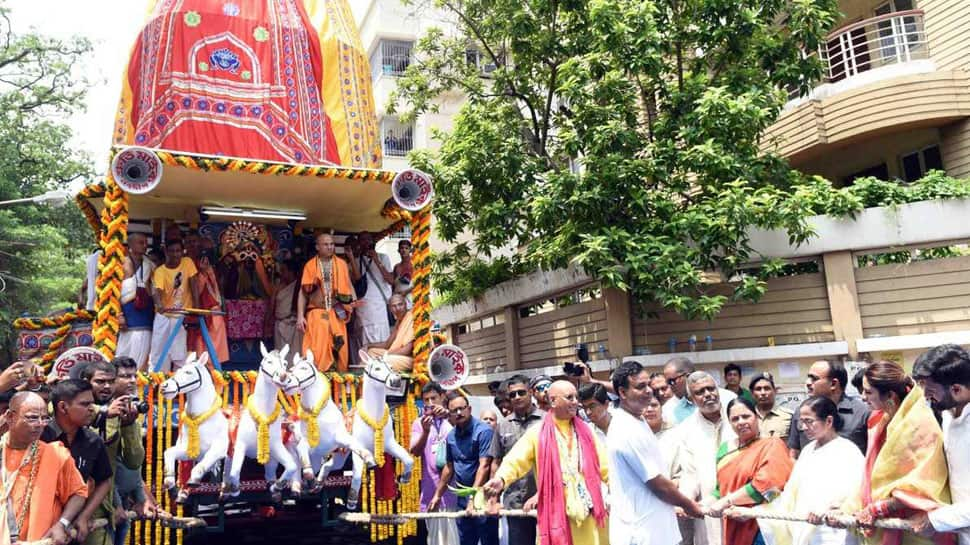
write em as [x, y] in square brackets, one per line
[396, 350]
[324, 305]
[42, 490]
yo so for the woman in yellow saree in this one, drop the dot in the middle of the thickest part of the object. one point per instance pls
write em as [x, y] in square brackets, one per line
[906, 469]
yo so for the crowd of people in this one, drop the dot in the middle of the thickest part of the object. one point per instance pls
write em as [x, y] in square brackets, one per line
[332, 304]
[72, 454]
[669, 457]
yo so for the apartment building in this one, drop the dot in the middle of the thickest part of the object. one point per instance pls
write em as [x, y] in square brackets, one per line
[895, 99]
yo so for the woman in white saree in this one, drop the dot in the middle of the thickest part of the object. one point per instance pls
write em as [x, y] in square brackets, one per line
[828, 470]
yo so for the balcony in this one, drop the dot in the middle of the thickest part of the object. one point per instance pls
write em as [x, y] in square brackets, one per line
[879, 79]
[398, 138]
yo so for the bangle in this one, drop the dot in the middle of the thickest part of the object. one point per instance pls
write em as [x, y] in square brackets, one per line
[65, 523]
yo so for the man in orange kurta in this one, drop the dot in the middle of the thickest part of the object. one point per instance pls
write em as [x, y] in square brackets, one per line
[46, 492]
[323, 306]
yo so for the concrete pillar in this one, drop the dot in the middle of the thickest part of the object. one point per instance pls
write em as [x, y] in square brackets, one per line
[839, 269]
[511, 338]
[619, 322]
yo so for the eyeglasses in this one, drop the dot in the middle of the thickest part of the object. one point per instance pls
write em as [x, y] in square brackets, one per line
[542, 387]
[36, 419]
[459, 410]
[805, 423]
[672, 381]
[517, 393]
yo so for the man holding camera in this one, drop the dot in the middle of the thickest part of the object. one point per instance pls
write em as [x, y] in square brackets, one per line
[73, 405]
[116, 421]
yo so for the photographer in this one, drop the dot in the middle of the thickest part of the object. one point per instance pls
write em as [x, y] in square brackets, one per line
[116, 421]
[579, 373]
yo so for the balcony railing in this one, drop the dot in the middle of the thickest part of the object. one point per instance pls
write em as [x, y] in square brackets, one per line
[397, 138]
[866, 45]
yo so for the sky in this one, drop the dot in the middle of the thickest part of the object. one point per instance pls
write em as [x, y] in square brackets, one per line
[111, 26]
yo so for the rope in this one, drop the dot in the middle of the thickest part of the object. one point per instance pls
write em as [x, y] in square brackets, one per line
[182, 523]
[845, 521]
[404, 518]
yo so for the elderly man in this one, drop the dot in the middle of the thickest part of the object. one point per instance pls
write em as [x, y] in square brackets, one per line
[429, 436]
[174, 289]
[323, 307]
[828, 378]
[642, 495]
[520, 494]
[700, 436]
[46, 492]
[73, 411]
[135, 338]
[397, 349]
[681, 406]
[944, 373]
[469, 461]
[571, 468]
[774, 421]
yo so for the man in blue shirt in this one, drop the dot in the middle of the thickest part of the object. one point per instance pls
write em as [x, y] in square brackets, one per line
[469, 459]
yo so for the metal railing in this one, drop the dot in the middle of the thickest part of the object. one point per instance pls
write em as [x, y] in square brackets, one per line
[391, 58]
[397, 138]
[866, 45]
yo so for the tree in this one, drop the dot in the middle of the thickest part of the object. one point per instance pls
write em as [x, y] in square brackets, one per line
[625, 136]
[41, 248]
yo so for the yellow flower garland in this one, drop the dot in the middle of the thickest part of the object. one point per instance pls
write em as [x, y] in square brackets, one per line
[378, 428]
[310, 415]
[193, 423]
[262, 436]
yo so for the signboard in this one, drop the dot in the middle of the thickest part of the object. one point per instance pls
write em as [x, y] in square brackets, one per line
[81, 355]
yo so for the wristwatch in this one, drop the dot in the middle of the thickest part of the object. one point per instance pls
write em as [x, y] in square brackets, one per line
[66, 524]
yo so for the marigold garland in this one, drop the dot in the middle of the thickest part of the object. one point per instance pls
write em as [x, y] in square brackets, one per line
[225, 164]
[262, 435]
[378, 427]
[310, 415]
[192, 424]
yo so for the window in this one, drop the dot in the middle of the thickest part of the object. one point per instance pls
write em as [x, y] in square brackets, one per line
[915, 165]
[880, 171]
[391, 58]
[398, 138]
[482, 60]
[897, 37]
[478, 324]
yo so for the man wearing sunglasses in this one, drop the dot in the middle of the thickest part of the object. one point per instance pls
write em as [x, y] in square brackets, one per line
[520, 494]
[679, 407]
[539, 385]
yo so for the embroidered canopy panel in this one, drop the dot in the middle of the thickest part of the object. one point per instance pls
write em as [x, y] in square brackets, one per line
[263, 80]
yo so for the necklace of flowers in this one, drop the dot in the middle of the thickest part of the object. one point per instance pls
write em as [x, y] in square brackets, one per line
[9, 481]
[192, 424]
[378, 427]
[310, 415]
[262, 429]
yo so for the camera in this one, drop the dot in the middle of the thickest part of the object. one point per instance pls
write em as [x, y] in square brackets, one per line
[139, 405]
[572, 369]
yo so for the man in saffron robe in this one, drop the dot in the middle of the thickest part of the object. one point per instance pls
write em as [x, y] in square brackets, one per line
[571, 469]
[323, 307]
[396, 351]
[46, 492]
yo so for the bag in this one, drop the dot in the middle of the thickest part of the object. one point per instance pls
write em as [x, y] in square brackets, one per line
[143, 300]
[440, 454]
[360, 285]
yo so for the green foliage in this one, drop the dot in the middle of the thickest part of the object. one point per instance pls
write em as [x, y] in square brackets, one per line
[622, 136]
[42, 249]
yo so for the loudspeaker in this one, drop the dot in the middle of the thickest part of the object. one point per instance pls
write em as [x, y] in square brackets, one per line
[136, 170]
[412, 189]
[448, 366]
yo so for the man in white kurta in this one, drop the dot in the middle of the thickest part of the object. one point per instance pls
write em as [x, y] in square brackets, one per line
[944, 373]
[375, 327]
[700, 436]
[642, 496]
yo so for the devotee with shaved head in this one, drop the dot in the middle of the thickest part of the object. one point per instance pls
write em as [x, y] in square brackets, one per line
[571, 469]
[43, 490]
[138, 312]
[396, 350]
[323, 307]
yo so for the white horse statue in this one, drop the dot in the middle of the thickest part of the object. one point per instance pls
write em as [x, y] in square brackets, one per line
[322, 428]
[204, 429]
[372, 415]
[259, 434]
